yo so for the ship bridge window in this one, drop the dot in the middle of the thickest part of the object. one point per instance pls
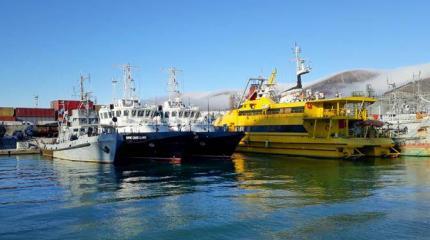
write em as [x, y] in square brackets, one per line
[82, 120]
[125, 112]
[75, 130]
[140, 113]
[192, 114]
[174, 114]
[147, 113]
[197, 115]
[166, 114]
[133, 113]
[105, 115]
[297, 109]
[110, 114]
[118, 113]
[186, 114]
[181, 113]
[101, 115]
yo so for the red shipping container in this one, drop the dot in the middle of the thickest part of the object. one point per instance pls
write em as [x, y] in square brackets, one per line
[7, 118]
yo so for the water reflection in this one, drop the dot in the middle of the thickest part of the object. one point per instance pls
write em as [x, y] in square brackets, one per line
[288, 179]
[143, 181]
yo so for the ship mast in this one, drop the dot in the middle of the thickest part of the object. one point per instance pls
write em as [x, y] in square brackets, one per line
[129, 87]
[172, 85]
[301, 67]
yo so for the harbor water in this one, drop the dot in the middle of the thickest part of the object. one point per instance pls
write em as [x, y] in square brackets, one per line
[250, 197]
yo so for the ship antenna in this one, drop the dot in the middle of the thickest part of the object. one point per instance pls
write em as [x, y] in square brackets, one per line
[114, 82]
[81, 86]
[36, 100]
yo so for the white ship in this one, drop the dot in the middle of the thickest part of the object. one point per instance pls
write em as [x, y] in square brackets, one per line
[408, 120]
[81, 138]
[207, 141]
[145, 132]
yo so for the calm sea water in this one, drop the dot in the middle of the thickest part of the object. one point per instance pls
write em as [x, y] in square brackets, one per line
[251, 197]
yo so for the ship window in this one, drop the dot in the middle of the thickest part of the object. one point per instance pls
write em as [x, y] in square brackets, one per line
[140, 113]
[110, 114]
[181, 113]
[125, 112]
[105, 115]
[101, 115]
[186, 114]
[83, 120]
[118, 113]
[297, 109]
[133, 113]
[174, 114]
[166, 114]
[197, 114]
[192, 115]
[147, 113]
[75, 130]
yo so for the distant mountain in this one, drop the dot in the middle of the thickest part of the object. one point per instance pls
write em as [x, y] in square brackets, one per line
[344, 82]
[357, 80]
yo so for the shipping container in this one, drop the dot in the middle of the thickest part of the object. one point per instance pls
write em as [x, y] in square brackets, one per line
[7, 111]
[34, 112]
[7, 118]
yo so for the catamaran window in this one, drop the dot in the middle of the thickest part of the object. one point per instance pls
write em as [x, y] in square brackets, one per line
[140, 113]
[125, 112]
[192, 115]
[166, 114]
[118, 113]
[110, 114]
[173, 114]
[133, 113]
[105, 115]
[181, 113]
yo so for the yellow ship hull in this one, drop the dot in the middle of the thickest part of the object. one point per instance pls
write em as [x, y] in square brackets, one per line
[303, 145]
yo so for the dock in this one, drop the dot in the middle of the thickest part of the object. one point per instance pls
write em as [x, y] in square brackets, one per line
[9, 152]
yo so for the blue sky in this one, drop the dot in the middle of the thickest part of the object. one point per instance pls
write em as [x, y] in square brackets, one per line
[45, 45]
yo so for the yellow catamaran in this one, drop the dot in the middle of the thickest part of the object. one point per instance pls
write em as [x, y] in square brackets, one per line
[302, 123]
